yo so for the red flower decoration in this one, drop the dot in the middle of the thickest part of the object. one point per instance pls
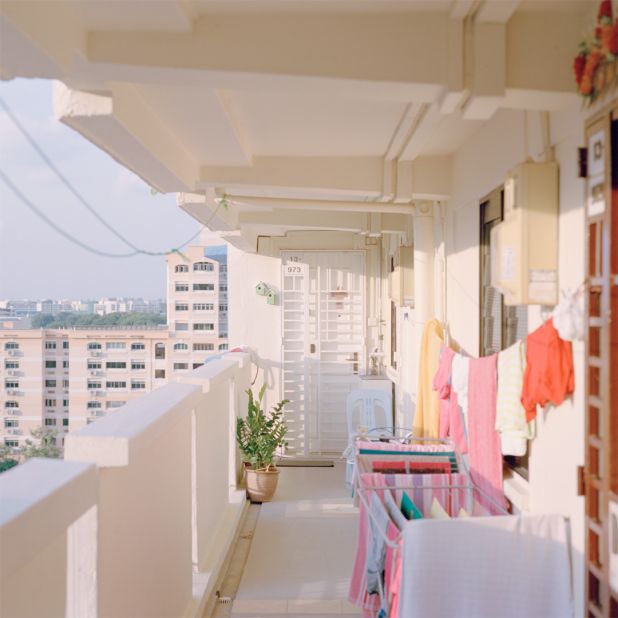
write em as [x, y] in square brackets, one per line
[578, 67]
[605, 10]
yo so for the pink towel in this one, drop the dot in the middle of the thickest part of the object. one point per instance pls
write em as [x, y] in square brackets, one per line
[357, 594]
[392, 571]
[484, 448]
[450, 414]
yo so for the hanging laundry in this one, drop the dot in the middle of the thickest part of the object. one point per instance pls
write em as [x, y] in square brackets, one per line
[510, 414]
[486, 566]
[427, 417]
[484, 443]
[568, 316]
[549, 376]
[392, 575]
[376, 551]
[451, 423]
[358, 594]
[460, 370]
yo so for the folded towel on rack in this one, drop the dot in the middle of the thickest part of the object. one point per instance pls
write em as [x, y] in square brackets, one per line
[503, 566]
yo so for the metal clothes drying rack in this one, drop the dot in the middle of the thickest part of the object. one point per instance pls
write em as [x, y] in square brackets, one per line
[397, 435]
[361, 490]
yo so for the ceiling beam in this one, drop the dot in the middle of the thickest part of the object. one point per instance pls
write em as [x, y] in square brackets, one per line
[496, 11]
[129, 131]
[215, 214]
[344, 177]
[425, 123]
[383, 48]
[272, 204]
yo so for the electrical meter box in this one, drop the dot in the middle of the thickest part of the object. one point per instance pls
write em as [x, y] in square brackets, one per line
[524, 246]
[402, 277]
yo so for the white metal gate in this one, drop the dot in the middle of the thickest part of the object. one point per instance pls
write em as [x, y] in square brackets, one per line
[323, 339]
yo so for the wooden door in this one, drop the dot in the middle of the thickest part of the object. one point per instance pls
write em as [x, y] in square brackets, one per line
[601, 473]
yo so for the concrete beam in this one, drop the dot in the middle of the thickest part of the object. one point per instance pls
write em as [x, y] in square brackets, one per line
[39, 39]
[485, 69]
[270, 204]
[348, 177]
[206, 208]
[496, 11]
[431, 178]
[425, 123]
[129, 131]
[307, 220]
[357, 47]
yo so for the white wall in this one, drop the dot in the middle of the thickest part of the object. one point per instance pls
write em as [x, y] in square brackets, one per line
[251, 321]
[479, 167]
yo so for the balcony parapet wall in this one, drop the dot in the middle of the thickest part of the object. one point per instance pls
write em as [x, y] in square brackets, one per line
[138, 518]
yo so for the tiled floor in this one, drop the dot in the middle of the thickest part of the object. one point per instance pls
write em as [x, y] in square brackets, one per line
[301, 552]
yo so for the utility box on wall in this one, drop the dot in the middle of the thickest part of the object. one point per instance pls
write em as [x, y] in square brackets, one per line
[402, 277]
[525, 244]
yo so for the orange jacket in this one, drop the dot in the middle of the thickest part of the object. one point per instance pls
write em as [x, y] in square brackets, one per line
[549, 369]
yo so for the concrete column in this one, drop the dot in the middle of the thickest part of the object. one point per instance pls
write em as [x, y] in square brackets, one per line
[424, 250]
[439, 266]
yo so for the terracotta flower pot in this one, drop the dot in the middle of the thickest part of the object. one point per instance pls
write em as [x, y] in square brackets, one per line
[261, 484]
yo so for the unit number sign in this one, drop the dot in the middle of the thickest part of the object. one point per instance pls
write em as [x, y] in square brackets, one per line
[294, 267]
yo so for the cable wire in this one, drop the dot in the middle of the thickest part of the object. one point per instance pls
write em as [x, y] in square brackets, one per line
[87, 247]
[84, 202]
[56, 227]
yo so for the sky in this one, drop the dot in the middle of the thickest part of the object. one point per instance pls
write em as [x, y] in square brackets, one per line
[35, 261]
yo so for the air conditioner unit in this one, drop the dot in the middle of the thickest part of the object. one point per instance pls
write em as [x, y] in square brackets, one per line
[99, 393]
[12, 372]
[12, 391]
[13, 352]
[96, 354]
[14, 431]
[13, 412]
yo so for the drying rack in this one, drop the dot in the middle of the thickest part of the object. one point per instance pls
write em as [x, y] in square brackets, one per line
[362, 490]
[396, 435]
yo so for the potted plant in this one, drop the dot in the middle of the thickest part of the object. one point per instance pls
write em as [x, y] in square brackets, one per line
[259, 435]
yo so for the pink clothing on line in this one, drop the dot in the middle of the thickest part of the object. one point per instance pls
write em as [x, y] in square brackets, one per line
[450, 414]
[357, 594]
[392, 571]
[484, 448]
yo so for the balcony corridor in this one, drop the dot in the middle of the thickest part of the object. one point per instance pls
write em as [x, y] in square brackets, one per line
[300, 556]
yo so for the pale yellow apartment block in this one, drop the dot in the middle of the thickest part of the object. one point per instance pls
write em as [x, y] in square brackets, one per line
[64, 379]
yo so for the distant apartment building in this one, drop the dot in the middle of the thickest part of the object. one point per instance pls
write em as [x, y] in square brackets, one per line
[64, 379]
[197, 305]
[127, 305]
[19, 308]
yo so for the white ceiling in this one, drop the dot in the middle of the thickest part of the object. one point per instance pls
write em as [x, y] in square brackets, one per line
[296, 98]
[199, 121]
[297, 124]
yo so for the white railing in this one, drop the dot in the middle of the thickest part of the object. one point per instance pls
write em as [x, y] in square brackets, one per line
[139, 517]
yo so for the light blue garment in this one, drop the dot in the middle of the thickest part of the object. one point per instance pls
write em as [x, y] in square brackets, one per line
[376, 547]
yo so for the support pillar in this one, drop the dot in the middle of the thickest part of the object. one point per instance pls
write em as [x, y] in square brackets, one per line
[424, 250]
